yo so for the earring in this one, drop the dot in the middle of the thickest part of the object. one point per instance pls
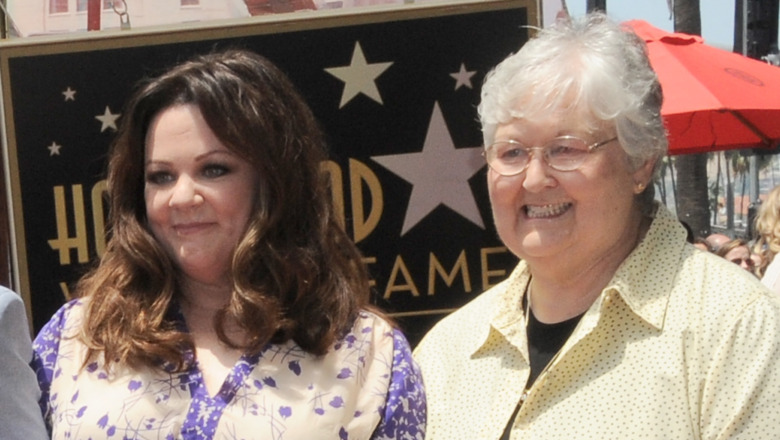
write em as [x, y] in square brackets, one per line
[640, 187]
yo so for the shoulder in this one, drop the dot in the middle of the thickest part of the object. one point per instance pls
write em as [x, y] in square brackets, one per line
[717, 298]
[476, 313]
[20, 416]
[717, 283]
[10, 303]
[8, 299]
[15, 337]
[371, 328]
[370, 338]
[370, 322]
[404, 412]
[463, 330]
[681, 285]
[379, 341]
[14, 327]
[65, 322]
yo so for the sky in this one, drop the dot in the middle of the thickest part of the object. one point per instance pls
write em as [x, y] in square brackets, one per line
[717, 16]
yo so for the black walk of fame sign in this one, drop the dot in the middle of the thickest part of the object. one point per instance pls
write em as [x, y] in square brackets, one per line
[395, 89]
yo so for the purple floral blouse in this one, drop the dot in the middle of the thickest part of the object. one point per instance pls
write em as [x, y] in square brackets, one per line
[366, 387]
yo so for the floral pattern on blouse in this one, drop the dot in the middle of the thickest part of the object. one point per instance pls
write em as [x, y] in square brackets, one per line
[366, 387]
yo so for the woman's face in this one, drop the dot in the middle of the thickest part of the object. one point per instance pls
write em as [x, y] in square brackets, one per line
[199, 195]
[740, 256]
[557, 217]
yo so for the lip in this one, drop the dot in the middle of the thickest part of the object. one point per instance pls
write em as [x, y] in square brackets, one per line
[191, 227]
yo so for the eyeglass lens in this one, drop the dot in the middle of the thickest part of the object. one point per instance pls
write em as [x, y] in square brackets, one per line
[739, 261]
[563, 154]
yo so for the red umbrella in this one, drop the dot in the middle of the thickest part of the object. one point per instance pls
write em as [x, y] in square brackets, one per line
[713, 99]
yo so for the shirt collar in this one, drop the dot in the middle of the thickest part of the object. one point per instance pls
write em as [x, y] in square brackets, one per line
[647, 297]
[662, 247]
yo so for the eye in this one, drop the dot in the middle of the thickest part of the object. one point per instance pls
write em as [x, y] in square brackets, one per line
[566, 147]
[510, 152]
[215, 170]
[159, 177]
[563, 151]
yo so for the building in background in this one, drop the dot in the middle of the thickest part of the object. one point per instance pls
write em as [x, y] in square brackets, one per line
[38, 17]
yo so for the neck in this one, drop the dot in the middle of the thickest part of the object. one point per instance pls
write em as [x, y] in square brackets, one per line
[205, 296]
[552, 303]
[201, 302]
[562, 290]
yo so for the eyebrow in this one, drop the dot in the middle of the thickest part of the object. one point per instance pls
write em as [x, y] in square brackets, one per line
[201, 157]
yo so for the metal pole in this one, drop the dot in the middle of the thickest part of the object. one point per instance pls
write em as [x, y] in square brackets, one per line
[759, 24]
[596, 5]
[730, 207]
[755, 201]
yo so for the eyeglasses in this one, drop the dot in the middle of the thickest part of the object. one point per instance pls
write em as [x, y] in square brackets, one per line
[564, 153]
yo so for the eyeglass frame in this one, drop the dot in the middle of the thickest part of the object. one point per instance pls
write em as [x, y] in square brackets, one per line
[531, 151]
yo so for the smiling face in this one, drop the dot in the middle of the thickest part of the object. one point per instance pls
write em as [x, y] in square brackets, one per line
[199, 195]
[575, 217]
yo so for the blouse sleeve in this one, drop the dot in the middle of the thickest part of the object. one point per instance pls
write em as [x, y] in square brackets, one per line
[404, 415]
[45, 351]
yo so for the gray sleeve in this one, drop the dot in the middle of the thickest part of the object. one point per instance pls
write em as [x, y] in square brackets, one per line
[20, 415]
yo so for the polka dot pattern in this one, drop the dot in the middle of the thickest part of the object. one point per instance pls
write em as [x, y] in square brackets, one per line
[681, 344]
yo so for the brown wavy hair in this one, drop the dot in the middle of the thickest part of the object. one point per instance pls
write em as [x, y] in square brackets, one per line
[296, 274]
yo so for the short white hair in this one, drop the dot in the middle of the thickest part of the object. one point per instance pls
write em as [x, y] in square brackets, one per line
[590, 65]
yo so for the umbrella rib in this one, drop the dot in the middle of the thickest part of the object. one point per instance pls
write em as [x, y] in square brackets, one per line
[764, 138]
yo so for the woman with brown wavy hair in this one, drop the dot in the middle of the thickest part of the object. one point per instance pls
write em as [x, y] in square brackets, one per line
[229, 301]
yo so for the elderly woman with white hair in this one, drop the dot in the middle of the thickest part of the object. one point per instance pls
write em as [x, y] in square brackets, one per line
[612, 325]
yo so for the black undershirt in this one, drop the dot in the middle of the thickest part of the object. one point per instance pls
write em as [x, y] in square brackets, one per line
[544, 341]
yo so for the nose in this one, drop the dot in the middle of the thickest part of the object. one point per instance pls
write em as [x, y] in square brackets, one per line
[184, 193]
[537, 175]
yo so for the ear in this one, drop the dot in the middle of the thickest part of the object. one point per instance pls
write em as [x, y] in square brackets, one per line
[643, 175]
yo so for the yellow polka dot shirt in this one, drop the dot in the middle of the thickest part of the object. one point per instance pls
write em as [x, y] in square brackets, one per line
[681, 344]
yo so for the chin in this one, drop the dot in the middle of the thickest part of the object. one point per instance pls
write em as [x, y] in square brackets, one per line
[536, 246]
[202, 274]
